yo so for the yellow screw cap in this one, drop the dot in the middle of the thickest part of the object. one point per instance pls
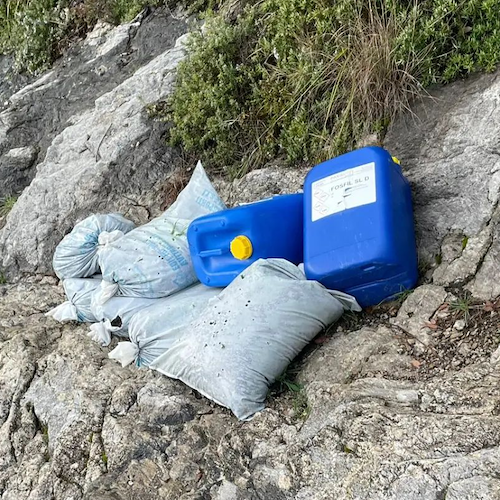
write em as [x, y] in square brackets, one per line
[241, 247]
[396, 160]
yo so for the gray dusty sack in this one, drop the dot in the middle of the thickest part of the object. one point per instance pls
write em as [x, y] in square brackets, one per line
[247, 335]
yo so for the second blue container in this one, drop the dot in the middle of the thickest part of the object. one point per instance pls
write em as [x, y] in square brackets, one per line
[358, 230]
[224, 244]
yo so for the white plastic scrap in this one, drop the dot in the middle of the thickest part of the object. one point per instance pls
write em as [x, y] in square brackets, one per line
[64, 312]
[249, 334]
[153, 260]
[101, 332]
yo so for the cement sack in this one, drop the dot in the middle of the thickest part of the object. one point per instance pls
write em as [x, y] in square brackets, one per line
[152, 331]
[76, 256]
[153, 260]
[249, 334]
[78, 306]
[114, 316]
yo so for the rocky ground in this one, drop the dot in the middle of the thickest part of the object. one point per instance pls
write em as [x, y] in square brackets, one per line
[399, 402]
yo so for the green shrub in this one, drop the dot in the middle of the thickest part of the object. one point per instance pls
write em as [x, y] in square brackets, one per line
[35, 32]
[29, 29]
[305, 79]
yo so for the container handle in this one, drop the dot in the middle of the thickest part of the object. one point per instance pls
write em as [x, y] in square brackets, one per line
[210, 253]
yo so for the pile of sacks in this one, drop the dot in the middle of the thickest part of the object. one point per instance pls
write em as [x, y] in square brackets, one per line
[139, 283]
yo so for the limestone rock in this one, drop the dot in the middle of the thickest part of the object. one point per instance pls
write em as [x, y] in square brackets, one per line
[37, 112]
[110, 158]
[485, 284]
[261, 184]
[448, 149]
[73, 424]
[418, 309]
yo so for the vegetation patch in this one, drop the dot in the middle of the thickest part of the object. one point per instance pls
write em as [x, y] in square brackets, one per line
[7, 204]
[35, 32]
[306, 79]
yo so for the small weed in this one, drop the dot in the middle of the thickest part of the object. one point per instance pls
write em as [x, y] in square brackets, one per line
[301, 407]
[462, 307]
[178, 231]
[45, 434]
[3, 279]
[7, 204]
[286, 383]
[104, 458]
[465, 240]
[401, 296]
[423, 266]
[439, 259]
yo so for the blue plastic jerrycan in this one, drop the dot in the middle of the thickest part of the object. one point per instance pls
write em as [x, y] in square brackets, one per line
[225, 243]
[358, 226]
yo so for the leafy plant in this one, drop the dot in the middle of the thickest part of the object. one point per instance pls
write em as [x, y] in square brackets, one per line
[3, 279]
[36, 32]
[465, 240]
[301, 407]
[304, 80]
[286, 383]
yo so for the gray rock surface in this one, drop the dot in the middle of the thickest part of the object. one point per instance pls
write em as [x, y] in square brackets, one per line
[36, 113]
[75, 425]
[449, 151]
[261, 184]
[418, 309]
[109, 158]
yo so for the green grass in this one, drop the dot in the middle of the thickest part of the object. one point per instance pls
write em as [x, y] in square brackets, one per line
[304, 80]
[3, 279]
[286, 383]
[7, 204]
[45, 434]
[401, 296]
[465, 240]
[462, 307]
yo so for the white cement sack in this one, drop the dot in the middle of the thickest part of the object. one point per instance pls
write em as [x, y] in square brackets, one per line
[79, 294]
[153, 330]
[153, 260]
[76, 256]
[249, 334]
[114, 316]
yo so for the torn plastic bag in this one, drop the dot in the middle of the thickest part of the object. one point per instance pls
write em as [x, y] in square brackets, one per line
[79, 293]
[153, 330]
[114, 316]
[76, 256]
[249, 334]
[153, 260]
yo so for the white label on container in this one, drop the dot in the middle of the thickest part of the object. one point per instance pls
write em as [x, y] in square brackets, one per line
[348, 189]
